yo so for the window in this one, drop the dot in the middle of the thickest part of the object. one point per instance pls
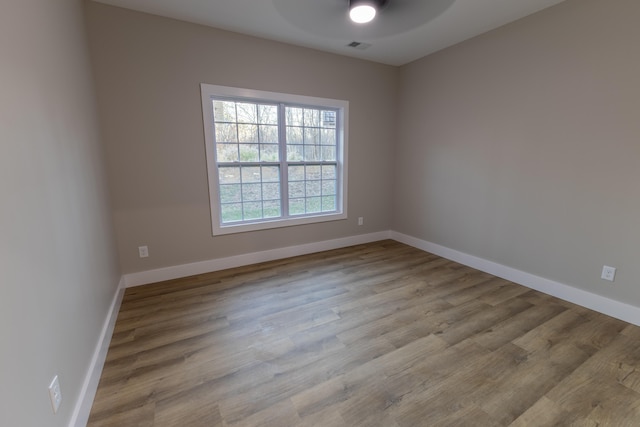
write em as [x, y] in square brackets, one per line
[273, 159]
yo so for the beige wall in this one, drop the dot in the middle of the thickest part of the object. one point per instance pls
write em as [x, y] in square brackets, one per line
[522, 146]
[58, 268]
[148, 71]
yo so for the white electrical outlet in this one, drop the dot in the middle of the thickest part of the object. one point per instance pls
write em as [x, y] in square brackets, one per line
[360, 220]
[55, 394]
[143, 251]
[608, 273]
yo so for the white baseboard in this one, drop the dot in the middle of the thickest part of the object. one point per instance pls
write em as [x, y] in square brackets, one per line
[82, 409]
[613, 308]
[201, 267]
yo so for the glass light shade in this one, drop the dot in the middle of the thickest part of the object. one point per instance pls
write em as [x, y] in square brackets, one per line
[362, 13]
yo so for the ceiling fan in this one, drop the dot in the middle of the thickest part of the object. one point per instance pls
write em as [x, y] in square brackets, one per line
[331, 18]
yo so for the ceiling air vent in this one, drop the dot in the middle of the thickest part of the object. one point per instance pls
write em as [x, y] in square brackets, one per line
[359, 45]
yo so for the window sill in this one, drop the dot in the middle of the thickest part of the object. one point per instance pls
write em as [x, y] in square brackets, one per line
[277, 223]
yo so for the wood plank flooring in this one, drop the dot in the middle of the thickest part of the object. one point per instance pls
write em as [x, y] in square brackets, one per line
[380, 334]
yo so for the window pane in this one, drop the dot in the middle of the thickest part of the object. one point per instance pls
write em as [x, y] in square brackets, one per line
[294, 135]
[230, 193]
[328, 137]
[311, 117]
[231, 212]
[313, 173]
[328, 119]
[314, 204]
[252, 210]
[328, 203]
[328, 187]
[268, 134]
[247, 112]
[270, 174]
[296, 173]
[271, 209]
[248, 133]
[226, 132]
[249, 153]
[312, 153]
[229, 175]
[314, 188]
[296, 206]
[224, 111]
[312, 136]
[295, 153]
[268, 114]
[294, 116]
[251, 192]
[269, 153]
[296, 189]
[328, 172]
[250, 174]
[329, 153]
[227, 152]
[271, 191]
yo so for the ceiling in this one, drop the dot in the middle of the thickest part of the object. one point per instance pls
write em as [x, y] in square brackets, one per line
[405, 30]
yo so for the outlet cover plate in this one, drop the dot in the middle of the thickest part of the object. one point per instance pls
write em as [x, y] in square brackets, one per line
[608, 273]
[55, 394]
[143, 251]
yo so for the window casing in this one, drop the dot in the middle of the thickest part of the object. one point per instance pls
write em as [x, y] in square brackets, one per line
[273, 159]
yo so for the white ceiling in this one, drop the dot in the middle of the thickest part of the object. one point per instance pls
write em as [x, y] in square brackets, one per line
[405, 30]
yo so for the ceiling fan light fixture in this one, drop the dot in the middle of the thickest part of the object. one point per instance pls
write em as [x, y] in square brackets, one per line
[363, 11]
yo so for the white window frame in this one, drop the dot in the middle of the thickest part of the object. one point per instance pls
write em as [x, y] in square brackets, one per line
[208, 93]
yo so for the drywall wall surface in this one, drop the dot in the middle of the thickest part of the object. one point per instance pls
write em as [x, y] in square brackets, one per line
[148, 75]
[57, 253]
[521, 146]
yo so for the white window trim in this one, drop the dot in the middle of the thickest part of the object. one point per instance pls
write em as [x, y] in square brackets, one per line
[208, 92]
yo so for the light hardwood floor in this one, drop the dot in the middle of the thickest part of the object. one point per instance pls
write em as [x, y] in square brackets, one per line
[380, 334]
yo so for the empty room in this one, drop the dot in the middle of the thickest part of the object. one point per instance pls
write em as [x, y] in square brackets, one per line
[319, 213]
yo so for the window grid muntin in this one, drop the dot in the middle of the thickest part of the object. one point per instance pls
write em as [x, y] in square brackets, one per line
[311, 125]
[242, 182]
[284, 163]
[320, 180]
